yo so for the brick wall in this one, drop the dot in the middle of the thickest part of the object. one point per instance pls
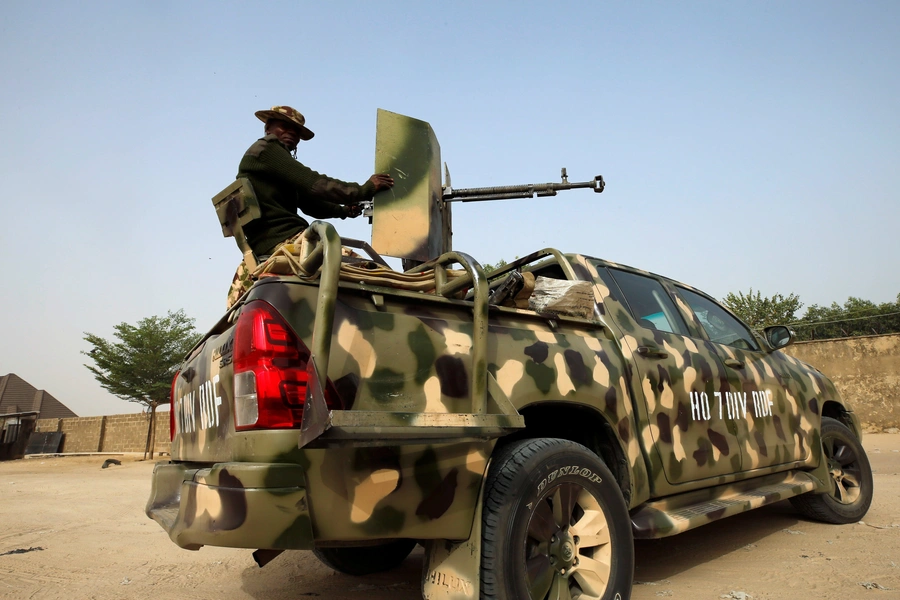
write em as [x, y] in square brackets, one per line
[113, 433]
[82, 434]
[44, 425]
[162, 442]
[866, 371]
[124, 432]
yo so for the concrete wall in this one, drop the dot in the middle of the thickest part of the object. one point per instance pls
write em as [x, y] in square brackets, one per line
[113, 433]
[866, 370]
[82, 433]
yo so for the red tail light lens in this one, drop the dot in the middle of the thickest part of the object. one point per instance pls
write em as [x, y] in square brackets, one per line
[172, 407]
[270, 371]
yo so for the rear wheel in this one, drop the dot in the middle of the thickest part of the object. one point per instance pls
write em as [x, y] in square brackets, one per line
[365, 560]
[554, 526]
[849, 467]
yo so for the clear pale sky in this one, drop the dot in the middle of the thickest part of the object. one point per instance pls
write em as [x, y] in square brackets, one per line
[743, 143]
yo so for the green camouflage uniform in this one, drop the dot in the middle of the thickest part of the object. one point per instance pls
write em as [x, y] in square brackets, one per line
[283, 186]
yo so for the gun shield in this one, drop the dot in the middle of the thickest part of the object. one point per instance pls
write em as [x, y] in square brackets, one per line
[410, 220]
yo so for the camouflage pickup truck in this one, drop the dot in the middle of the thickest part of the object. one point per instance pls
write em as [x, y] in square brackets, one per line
[523, 425]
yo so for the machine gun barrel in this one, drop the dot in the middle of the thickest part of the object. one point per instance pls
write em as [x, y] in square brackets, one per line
[505, 192]
[528, 190]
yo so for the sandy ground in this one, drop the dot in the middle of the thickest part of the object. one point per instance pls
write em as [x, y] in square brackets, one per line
[89, 538]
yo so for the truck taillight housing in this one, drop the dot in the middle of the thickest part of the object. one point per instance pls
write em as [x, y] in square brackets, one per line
[270, 371]
[172, 407]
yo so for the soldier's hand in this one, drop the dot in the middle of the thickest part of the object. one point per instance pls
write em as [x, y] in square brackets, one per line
[353, 210]
[382, 181]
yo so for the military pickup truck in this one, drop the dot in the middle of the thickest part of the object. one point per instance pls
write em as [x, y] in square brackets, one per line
[523, 425]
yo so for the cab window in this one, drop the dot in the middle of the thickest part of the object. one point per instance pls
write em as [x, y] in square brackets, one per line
[718, 323]
[649, 303]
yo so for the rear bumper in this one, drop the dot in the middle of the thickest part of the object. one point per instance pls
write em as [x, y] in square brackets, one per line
[236, 505]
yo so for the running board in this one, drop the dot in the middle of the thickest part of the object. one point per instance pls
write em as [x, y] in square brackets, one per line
[677, 514]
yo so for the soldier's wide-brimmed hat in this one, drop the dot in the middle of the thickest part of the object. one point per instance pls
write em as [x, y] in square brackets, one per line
[286, 113]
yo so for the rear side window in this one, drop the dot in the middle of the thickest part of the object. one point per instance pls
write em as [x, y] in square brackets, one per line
[719, 325]
[649, 303]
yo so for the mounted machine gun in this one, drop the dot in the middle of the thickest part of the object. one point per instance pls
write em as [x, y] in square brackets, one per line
[412, 220]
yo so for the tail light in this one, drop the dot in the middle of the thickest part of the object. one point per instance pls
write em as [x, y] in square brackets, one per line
[270, 371]
[172, 407]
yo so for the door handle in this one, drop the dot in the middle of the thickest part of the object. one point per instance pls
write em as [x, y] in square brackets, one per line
[652, 352]
[733, 363]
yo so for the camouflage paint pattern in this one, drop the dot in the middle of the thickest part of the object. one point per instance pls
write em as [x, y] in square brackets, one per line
[238, 505]
[356, 493]
[240, 284]
[411, 219]
[291, 115]
[410, 353]
[400, 352]
[684, 452]
[410, 362]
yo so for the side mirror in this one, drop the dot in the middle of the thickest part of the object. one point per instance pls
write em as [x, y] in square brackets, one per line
[779, 336]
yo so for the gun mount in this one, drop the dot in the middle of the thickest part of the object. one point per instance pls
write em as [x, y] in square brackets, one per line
[412, 220]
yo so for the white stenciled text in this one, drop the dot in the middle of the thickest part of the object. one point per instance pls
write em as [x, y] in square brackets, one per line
[731, 405]
[208, 400]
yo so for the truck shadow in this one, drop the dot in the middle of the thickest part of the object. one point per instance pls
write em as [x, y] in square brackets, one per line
[660, 559]
[299, 574]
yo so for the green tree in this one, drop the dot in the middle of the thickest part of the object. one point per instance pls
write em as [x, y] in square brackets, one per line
[855, 317]
[488, 267]
[759, 311]
[139, 367]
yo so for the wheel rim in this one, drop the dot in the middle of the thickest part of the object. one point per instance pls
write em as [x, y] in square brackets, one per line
[843, 464]
[568, 554]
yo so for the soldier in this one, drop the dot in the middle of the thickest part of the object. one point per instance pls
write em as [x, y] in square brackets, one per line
[283, 185]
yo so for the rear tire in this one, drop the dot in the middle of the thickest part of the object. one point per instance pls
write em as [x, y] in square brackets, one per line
[554, 525]
[851, 496]
[365, 560]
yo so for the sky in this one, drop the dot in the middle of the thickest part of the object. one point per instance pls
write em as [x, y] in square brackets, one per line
[744, 144]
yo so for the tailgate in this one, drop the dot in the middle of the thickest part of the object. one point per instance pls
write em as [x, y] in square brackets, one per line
[202, 402]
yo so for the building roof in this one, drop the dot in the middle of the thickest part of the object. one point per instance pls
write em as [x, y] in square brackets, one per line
[18, 396]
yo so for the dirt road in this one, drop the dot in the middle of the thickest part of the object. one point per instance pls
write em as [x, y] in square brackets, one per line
[69, 529]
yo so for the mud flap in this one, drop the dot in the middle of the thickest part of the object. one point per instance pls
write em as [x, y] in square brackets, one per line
[452, 570]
